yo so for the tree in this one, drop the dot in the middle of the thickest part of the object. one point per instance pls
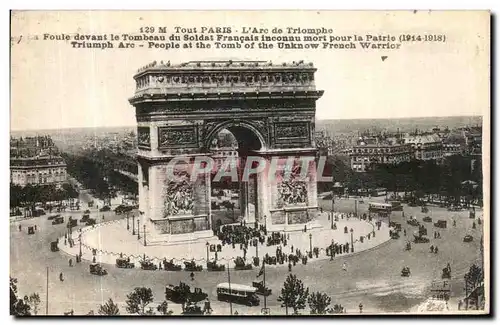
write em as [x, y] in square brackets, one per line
[319, 303]
[163, 308]
[18, 307]
[293, 294]
[473, 279]
[138, 299]
[109, 308]
[34, 302]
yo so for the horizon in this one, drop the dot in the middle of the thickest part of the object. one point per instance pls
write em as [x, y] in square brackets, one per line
[317, 119]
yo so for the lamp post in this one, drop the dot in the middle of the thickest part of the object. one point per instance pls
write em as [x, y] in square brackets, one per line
[352, 241]
[128, 224]
[256, 248]
[138, 232]
[356, 208]
[133, 224]
[144, 235]
[265, 221]
[207, 244]
[333, 202]
[331, 219]
[310, 243]
[331, 251]
[80, 238]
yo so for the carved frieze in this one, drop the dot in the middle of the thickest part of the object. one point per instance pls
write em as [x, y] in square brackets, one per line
[290, 130]
[143, 137]
[177, 136]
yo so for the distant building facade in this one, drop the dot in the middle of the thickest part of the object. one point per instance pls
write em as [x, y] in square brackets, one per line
[38, 170]
[35, 161]
[425, 146]
[373, 150]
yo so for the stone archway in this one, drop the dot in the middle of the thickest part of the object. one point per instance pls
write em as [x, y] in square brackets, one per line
[179, 108]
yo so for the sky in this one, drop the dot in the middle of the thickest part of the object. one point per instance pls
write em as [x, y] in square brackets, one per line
[56, 86]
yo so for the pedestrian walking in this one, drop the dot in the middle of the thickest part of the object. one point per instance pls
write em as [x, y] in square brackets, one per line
[35, 227]
[61, 277]
[344, 266]
[192, 276]
[20, 227]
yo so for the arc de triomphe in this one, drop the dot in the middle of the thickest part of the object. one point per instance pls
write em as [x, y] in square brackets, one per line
[180, 109]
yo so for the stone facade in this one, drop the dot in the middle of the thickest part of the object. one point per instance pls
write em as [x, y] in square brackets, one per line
[270, 109]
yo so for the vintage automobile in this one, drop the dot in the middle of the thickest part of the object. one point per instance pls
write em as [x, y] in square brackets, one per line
[425, 209]
[440, 224]
[397, 226]
[90, 222]
[58, 220]
[447, 272]
[178, 294]
[454, 208]
[405, 271]
[240, 264]
[198, 295]
[213, 266]
[192, 309]
[104, 209]
[124, 263]
[413, 222]
[85, 218]
[427, 219]
[123, 209]
[468, 238]
[54, 247]
[394, 234]
[97, 269]
[31, 230]
[418, 238]
[148, 265]
[191, 266]
[52, 217]
[408, 246]
[422, 230]
[261, 289]
[171, 266]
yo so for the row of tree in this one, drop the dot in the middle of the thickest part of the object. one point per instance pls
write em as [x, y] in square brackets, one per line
[28, 195]
[455, 178]
[100, 175]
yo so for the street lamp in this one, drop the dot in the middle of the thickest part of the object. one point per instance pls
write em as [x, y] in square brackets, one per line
[331, 251]
[80, 238]
[331, 218]
[333, 202]
[128, 225]
[133, 224]
[145, 235]
[265, 221]
[310, 242]
[352, 241]
[138, 232]
[356, 208]
[256, 248]
[207, 244]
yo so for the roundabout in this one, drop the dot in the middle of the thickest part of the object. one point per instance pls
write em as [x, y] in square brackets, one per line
[110, 240]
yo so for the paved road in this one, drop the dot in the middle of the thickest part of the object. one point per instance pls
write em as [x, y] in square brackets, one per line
[373, 278]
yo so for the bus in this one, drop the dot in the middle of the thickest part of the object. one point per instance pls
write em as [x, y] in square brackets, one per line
[237, 293]
[380, 207]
